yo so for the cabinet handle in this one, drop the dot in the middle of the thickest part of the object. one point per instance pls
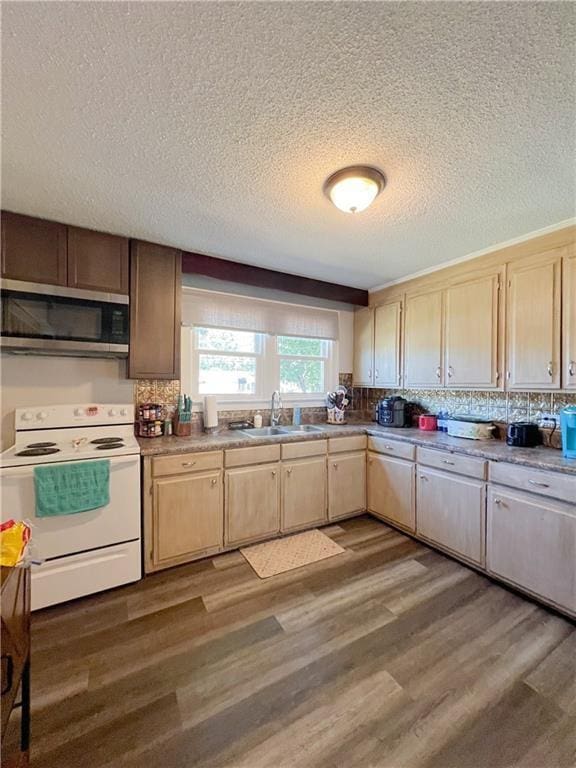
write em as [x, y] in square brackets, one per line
[571, 368]
[550, 369]
[539, 485]
[335, 465]
[389, 447]
[370, 373]
[188, 463]
[273, 473]
[446, 461]
[438, 372]
[288, 471]
[214, 482]
[498, 501]
[375, 374]
[423, 477]
[370, 461]
[7, 657]
[450, 371]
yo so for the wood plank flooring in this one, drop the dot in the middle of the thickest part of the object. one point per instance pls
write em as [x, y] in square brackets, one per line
[389, 655]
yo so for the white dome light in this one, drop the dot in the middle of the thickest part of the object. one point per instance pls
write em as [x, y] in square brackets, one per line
[353, 189]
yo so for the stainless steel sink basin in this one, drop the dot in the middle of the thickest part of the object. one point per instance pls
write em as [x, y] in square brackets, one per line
[265, 432]
[302, 428]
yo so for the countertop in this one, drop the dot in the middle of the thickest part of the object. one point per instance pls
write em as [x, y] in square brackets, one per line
[495, 450]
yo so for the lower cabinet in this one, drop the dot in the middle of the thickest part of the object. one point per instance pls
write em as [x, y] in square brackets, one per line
[346, 484]
[391, 490]
[252, 509]
[531, 542]
[304, 497]
[451, 512]
[187, 517]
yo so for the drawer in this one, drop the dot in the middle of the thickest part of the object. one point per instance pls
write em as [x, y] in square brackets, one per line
[260, 454]
[552, 484]
[347, 444]
[392, 447]
[301, 450]
[452, 462]
[186, 462]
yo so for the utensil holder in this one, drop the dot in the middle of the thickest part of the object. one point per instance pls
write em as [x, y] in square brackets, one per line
[335, 416]
[182, 428]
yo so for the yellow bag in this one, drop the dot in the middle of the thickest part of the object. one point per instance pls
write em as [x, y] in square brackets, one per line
[13, 540]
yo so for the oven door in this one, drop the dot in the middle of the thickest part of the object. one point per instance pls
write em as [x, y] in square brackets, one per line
[53, 537]
[66, 321]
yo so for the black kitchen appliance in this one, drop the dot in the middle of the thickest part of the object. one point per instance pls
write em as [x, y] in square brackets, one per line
[523, 434]
[394, 412]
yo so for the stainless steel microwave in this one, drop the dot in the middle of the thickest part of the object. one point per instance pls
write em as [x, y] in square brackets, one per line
[55, 320]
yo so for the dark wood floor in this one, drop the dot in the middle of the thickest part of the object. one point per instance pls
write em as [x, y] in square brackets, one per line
[389, 655]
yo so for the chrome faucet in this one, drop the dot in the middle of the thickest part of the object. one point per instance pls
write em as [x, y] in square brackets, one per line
[276, 409]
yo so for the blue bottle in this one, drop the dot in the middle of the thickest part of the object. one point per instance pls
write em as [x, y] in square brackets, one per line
[568, 427]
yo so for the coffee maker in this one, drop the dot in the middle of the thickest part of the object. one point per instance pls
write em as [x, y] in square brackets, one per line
[394, 412]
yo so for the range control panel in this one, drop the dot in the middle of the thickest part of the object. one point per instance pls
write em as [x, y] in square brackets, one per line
[51, 416]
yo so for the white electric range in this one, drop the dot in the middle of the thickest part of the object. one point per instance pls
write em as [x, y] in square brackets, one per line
[88, 551]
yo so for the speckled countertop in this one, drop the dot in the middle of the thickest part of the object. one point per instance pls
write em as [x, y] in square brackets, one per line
[495, 450]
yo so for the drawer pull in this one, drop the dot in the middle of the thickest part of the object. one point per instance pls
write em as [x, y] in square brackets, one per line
[6, 657]
[188, 463]
[273, 473]
[446, 461]
[335, 465]
[389, 447]
[423, 477]
[498, 501]
[288, 471]
[214, 482]
[539, 485]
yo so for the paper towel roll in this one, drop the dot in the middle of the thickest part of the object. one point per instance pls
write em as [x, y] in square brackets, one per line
[210, 412]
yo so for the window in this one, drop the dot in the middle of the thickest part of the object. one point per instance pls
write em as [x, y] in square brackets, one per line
[248, 366]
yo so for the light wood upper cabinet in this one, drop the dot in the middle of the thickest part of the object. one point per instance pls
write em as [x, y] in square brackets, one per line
[187, 517]
[569, 322]
[364, 346]
[451, 512]
[531, 542]
[346, 484]
[33, 249]
[155, 300]
[533, 322]
[97, 261]
[423, 340]
[252, 503]
[304, 493]
[471, 334]
[387, 319]
[391, 490]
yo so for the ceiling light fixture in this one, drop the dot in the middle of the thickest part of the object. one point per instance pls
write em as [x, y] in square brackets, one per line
[353, 189]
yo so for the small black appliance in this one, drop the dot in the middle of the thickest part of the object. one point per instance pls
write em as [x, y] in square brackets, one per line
[394, 412]
[523, 434]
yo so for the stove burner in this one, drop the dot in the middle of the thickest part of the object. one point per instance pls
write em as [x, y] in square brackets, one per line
[104, 440]
[41, 445]
[37, 451]
[109, 446]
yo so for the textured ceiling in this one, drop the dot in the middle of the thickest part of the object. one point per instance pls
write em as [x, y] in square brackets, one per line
[212, 125]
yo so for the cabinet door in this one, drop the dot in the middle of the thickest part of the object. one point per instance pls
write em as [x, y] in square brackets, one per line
[450, 511]
[364, 346]
[346, 484]
[188, 516]
[155, 300]
[252, 503]
[304, 497]
[387, 345]
[391, 490]
[471, 334]
[533, 323]
[97, 261]
[33, 249]
[423, 341]
[569, 322]
[531, 542]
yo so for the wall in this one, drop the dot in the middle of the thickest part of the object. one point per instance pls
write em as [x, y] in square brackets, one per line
[36, 380]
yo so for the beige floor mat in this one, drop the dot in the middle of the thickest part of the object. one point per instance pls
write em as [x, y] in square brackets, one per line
[290, 552]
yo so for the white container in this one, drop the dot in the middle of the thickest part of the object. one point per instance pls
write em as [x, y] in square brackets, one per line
[471, 428]
[210, 412]
[257, 420]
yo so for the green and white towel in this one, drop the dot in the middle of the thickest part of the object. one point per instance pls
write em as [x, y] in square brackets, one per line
[66, 489]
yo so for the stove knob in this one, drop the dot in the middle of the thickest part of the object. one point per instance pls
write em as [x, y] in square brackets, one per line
[41, 415]
[112, 412]
[124, 412]
[79, 412]
[27, 416]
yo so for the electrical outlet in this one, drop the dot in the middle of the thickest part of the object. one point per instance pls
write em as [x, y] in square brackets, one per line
[548, 421]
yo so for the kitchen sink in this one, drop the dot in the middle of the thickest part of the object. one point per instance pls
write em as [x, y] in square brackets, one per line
[302, 428]
[266, 432]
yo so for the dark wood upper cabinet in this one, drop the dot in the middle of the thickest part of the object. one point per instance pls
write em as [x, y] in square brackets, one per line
[155, 310]
[33, 249]
[97, 261]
